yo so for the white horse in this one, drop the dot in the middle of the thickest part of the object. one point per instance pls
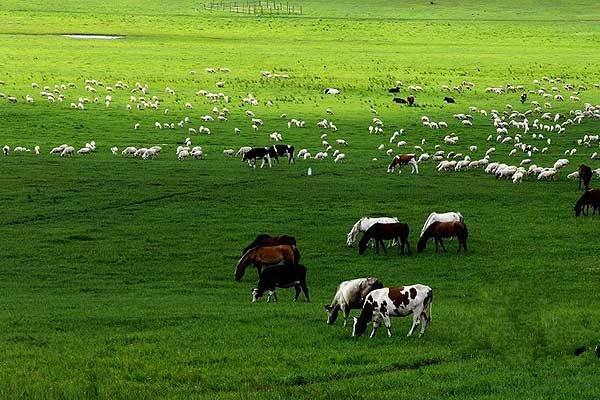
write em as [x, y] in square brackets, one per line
[365, 223]
[441, 217]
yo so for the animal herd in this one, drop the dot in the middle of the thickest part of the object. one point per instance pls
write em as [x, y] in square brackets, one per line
[277, 260]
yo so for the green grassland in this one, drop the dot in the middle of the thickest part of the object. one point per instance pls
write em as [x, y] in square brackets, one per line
[117, 273]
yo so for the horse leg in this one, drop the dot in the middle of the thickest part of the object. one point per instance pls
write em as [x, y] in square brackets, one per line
[383, 246]
[298, 290]
[305, 290]
[465, 244]
[408, 247]
[442, 244]
[400, 245]
[376, 246]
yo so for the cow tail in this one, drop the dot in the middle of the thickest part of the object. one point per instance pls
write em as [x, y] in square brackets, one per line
[428, 301]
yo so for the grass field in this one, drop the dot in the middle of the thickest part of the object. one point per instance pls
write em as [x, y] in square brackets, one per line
[117, 273]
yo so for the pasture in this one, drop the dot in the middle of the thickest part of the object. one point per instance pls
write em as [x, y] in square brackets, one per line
[117, 272]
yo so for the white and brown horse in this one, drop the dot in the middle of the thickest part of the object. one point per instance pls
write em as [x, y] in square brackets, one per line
[403, 159]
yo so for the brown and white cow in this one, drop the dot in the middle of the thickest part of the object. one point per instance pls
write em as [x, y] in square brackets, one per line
[350, 295]
[403, 159]
[381, 304]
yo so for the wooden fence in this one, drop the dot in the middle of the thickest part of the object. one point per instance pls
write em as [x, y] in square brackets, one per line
[254, 7]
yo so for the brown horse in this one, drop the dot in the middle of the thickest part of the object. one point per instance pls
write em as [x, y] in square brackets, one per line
[264, 256]
[439, 230]
[267, 240]
[380, 232]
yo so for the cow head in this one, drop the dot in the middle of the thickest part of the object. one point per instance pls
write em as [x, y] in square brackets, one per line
[256, 295]
[332, 313]
[359, 327]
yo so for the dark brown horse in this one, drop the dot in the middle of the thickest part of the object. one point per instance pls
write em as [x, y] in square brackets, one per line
[266, 255]
[585, 176]
[380, 232]
[267, 240]
[439, 230]
[589, 198]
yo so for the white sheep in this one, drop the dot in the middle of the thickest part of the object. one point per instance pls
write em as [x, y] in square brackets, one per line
[182, 154]
[340, 157]
[547, 174]
[67, 151]
[228, 152]
[130, 150]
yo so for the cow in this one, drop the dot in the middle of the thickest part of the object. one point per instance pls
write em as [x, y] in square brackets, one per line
[399, 100]
[281, 276]
[257, 153]
[403, 159]
[394, 90]
[381, 304]
[449, 100]
[280, 150]
[350, 295]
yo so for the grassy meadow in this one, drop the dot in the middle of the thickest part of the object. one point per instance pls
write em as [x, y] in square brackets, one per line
[117, 273]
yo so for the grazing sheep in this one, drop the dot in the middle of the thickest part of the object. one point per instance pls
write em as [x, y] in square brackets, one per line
[129, 151]
[518, 177]
[228, 152]
[547, 174]
[5, 150]
[37, 150]
[182, 154]
[340, 157]
[67, 151]
[84, 150]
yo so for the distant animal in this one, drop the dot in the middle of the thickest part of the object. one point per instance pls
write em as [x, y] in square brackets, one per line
[381, 304]
[399, 100]
[441, 217]
[440, 230]
[394, 90]
[264, 256]
[281, 276]
[331, 91]
[257, 153]
[403, 159]
[585, 176]
[523, 98]
[380, 232]
[264, 239]
[449, 100]
[363, 224]
[280, 150]
[350, 295]
[591, 197]
[410, 100]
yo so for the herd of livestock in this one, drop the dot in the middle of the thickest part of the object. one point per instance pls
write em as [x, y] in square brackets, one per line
[277, 260]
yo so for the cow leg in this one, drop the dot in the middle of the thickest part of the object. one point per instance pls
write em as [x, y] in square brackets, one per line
[271, 293]
[346, 312]
[388, 325]
[375, 327]
[414, 323]
[269, 160]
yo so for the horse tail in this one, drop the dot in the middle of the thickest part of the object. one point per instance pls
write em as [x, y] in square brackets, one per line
[296, 255]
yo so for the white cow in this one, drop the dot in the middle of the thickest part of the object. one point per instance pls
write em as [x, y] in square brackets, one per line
[381, 304]
[350, 295]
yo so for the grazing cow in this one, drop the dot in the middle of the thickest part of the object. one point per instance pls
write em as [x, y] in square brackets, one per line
[403, 159]
[410, 100]
[381, 304]
[281, 276]
[585, 176]
[399, 100]
[394, 90]
[257, 153]
[589, 198]
[280, 150]
[449, 100]
[350, 295]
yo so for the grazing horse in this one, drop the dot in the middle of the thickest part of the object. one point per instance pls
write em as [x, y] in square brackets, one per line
[363, 224]
[441, 217]
[403, 159]
[264, 256]
[585, 176]
[381, 232]
[257, 153]
[267, 240]
[439, 230]
[589, 198]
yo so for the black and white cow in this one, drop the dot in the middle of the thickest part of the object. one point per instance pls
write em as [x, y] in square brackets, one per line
[257, 153]
[281, 276]
[280, 150]
[350, 295]
[381, 304]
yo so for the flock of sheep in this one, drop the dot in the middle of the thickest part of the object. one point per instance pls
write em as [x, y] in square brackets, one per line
[521, 134]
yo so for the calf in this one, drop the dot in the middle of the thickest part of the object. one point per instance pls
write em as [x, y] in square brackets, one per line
[350, 295]
[381, 304]
[281, 276]
[257, 153]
